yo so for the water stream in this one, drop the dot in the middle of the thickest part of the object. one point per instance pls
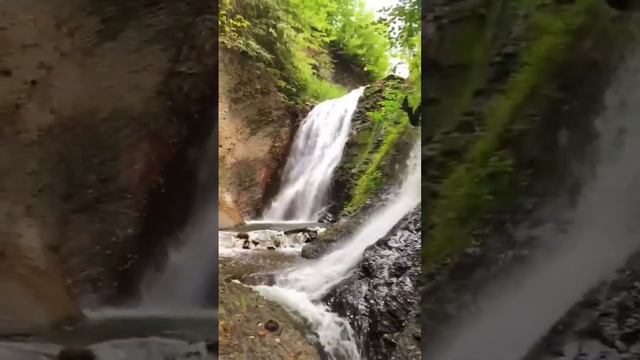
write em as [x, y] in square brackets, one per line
[301, 288]
[513, 315]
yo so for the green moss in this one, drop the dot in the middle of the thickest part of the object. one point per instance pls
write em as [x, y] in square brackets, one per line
[484, 182]
[388, 124]
[368, 138]
[373, 177]
[467, 45]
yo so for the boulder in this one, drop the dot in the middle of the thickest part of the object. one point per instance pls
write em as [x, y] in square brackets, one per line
[381, 298]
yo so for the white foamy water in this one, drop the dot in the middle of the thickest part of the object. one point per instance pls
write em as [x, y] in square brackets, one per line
[187, 274]
[300, 288]
[315, 153]
[230, 244]
[513, 316]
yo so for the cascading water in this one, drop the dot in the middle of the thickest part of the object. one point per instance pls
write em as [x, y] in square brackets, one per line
[300, 289]
[189, 276]
[514, 315]
[315, 153]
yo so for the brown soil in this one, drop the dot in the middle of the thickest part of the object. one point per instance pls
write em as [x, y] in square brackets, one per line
[242, 332]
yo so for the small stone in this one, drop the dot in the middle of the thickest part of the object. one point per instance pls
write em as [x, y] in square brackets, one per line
[212, 347]
[271, 326]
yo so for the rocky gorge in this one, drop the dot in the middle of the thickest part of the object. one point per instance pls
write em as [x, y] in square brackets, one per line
[276, 247]
[108, 149]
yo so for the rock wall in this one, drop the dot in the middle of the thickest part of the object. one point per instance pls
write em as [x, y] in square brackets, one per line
[381, 297]
[513, 132]
[512, 115]
[256, 127]
[106, 108]
[374, 152]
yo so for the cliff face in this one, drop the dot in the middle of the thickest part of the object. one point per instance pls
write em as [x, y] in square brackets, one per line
[381, 296]
[513, 130]
[106, 107]
[379, 143]
[256, 126]
[512, 118]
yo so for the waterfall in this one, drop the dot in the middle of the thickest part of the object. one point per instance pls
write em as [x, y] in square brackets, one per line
[513, 315]
[189, 277]
[315, 153]
[301, 288]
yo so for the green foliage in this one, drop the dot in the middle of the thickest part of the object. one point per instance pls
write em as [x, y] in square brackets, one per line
[415, 72]
[372, 180]
[473, 190]
[291, 38]
[390, 107]
[404, 23]
[361, 36]
[403, 20]
[233, 28]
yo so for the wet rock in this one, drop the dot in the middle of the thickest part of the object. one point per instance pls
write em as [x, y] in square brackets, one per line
[76, 354]
[268, 279]
[609, 328]
[328, 218]
[315, 250]
[381, 298]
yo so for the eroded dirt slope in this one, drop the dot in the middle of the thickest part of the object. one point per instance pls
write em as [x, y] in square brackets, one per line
[256, 125]
[104, 108]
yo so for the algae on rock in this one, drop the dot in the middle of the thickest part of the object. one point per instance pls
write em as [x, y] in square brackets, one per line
[505, 109]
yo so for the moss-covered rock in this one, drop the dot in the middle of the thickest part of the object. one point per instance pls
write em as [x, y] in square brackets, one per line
[381, 137]
[501, 103]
